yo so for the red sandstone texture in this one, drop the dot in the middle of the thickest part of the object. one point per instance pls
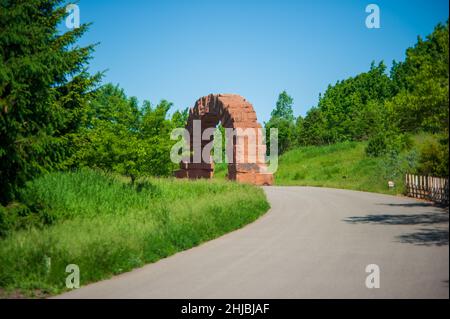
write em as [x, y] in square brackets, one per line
[232, 111]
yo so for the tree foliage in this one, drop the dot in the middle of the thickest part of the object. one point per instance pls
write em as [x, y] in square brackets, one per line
[44, 89]
[121, 137]
[379, 107]
[282, 118]
[283, 108]
[421, 83]
[349, 110]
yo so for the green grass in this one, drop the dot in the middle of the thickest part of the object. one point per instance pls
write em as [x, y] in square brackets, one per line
[220, 171]
[345, 165]
[106, 226]
[342, 165]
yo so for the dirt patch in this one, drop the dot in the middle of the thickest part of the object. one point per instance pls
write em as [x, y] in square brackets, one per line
[17, 294]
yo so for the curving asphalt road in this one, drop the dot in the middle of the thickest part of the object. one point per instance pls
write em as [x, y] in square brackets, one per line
[313, 243]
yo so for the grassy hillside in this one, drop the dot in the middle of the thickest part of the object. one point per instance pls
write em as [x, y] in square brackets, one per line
[106, 226]
[342, 165]
[346, 165]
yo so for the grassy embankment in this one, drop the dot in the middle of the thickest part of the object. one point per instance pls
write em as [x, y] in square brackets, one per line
[106, 226]
[344, 165]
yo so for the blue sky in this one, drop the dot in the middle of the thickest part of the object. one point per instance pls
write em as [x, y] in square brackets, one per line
[182, 50]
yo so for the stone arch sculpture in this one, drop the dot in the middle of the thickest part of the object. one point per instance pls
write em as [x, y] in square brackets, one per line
[232, 111]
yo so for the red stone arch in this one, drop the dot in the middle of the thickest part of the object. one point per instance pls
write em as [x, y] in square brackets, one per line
[232, 111]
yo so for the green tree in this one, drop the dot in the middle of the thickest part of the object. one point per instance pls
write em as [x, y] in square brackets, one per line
[283, 108]
[434, 158]
[179, 118]
[312, 129]
[43, 90]
[422, 99]
[352, 109]
[282, 118]
[345, 105]
[422, 84]
[155, 132]
[123, 138]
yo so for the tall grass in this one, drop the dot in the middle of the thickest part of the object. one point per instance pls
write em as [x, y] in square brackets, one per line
[106, 226]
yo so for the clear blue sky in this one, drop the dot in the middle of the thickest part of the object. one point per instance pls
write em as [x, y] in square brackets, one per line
[182, 50]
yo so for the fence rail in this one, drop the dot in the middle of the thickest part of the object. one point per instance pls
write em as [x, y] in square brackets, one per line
[427, 187]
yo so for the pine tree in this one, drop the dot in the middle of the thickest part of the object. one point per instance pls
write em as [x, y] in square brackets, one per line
[43, 90]
[283, 108]
[282, 118]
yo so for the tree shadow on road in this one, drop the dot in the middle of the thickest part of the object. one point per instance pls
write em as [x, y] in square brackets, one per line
[404, 219]
[426, 237]
[435, 235]
[417, 204]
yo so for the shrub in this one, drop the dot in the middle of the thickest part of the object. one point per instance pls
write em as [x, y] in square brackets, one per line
[433, 158]
[377, 146]
[382, 144]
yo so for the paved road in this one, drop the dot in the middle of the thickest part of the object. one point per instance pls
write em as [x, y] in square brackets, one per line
[313, 243]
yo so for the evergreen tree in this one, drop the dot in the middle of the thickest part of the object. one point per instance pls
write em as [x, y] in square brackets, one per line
[283, 108]
[282, 118]
[43, 86]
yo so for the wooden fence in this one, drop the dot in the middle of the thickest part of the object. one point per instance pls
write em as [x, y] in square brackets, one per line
[427, 187]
